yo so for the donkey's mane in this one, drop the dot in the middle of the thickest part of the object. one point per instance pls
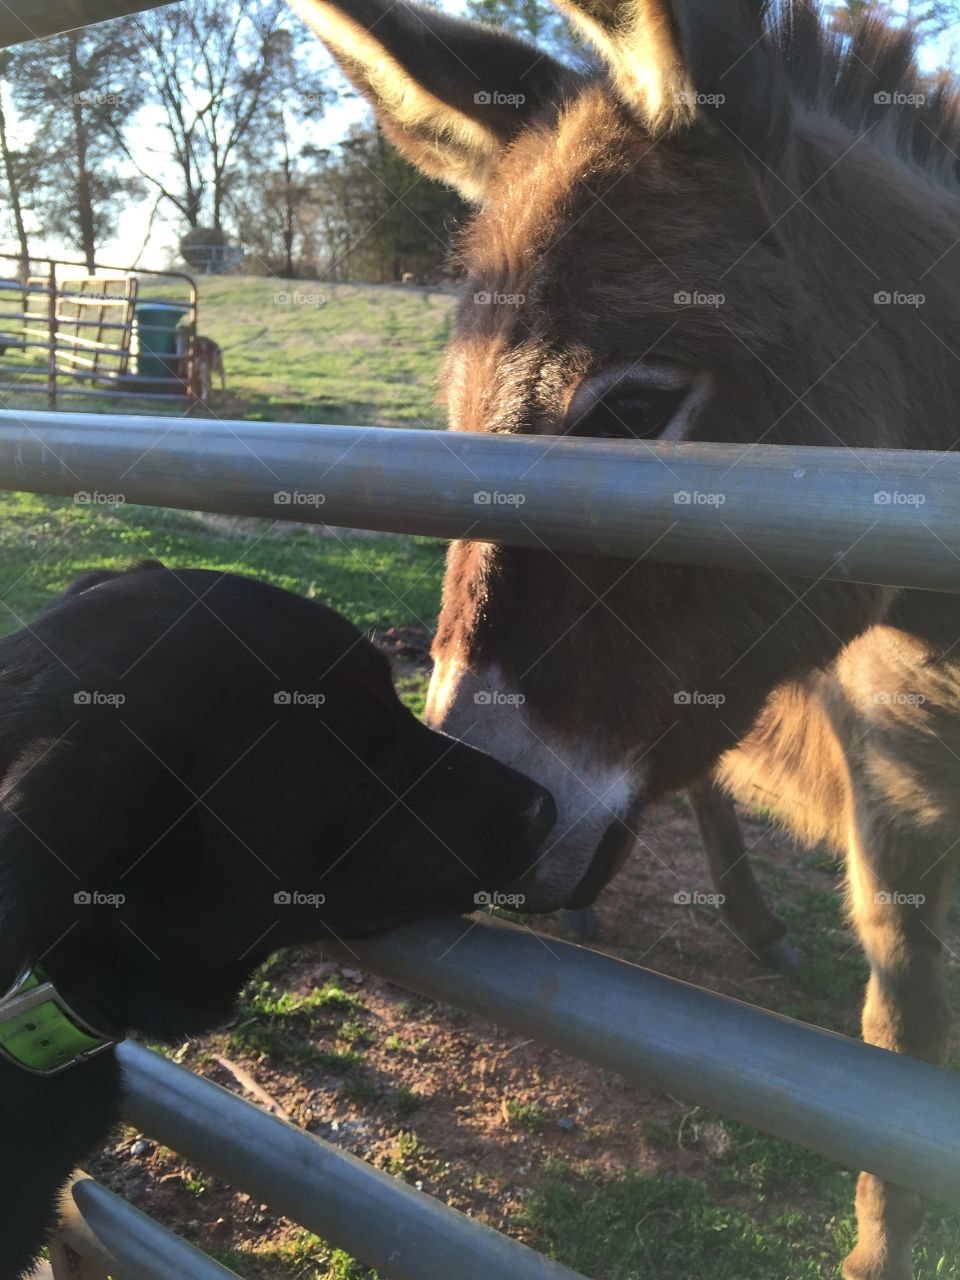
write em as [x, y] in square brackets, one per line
[839, 73]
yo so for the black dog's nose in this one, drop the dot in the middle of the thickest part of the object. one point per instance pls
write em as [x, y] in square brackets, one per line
[541, 814]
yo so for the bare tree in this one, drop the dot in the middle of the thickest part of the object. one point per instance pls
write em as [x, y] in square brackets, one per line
[79, 96]
[217, 71]
[12, 164]
[269, 202]
[930, 19]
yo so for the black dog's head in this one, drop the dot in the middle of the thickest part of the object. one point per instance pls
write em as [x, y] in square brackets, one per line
[199, 768]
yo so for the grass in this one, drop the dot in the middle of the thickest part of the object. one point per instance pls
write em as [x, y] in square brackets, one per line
[645, 1228]
[284, 1026]
[309, 352]
[304, 1256]
[525, 1115]
[407, 1101]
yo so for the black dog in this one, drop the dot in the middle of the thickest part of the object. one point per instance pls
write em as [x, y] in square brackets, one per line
[196, 769]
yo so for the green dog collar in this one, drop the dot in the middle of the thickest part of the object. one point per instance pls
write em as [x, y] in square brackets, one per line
[40, 1032]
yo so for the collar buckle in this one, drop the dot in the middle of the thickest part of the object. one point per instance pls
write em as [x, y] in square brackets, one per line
[41, 1032]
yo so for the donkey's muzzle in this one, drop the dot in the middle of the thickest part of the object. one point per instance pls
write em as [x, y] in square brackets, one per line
[612, 852]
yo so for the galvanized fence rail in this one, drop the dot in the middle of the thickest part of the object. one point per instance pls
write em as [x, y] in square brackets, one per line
[879, 516]
[114, 1238]
[403, 1233]
[802, 511]
[23, 20]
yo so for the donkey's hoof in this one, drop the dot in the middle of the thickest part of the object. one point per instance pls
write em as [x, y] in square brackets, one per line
[861, 1266]
[583, 923]
[781, 955]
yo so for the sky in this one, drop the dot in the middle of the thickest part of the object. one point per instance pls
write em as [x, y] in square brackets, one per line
[348, 110]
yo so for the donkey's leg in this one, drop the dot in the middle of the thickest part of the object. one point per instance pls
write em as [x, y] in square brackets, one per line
[583, 922]
[899, 909]
[743, 905]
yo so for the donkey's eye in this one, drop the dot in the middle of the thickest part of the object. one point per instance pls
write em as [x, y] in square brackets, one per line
[630, 414]
[636, 401]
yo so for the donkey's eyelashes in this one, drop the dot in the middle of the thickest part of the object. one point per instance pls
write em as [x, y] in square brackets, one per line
[632, 414]
[639, 401]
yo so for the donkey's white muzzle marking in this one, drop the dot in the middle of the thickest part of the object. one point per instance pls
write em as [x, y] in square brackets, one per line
[486, 710]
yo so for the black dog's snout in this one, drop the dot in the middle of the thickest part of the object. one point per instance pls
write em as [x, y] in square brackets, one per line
[529, 810]
[541, 814]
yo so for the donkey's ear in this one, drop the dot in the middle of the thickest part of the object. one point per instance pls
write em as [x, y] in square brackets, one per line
[680, 60]
[449, 93]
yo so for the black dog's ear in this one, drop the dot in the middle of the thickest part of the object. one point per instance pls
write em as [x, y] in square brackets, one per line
[68, 817]
[94, 577]
[38, 905]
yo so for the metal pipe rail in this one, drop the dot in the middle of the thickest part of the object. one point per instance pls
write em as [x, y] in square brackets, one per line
[378, 1219]
[22, 20]
[129, 1245]
[871, 1109]
[801, 511]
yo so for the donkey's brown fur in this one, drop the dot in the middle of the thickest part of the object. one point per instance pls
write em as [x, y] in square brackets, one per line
[719, 150]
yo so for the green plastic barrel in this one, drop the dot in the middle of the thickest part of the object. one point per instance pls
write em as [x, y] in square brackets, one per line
[155, 328]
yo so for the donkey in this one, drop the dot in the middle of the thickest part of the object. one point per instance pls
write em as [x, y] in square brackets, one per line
[724, 230]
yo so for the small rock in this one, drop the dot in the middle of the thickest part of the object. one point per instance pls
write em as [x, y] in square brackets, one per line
[715, 1139]
[567, 1123]
[353, 975]
[141, 1148]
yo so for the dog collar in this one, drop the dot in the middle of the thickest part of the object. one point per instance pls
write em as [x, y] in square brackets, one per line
[39, 1030]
